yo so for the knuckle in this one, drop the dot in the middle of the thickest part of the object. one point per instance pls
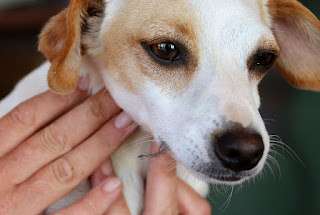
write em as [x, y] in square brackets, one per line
[23, 114]
[41, 187]
[7, 203]
[61, 171]
[99, 109]
[52, 140]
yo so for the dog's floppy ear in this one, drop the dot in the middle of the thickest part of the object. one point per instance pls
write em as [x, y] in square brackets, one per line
[298, 33]
[60, 42]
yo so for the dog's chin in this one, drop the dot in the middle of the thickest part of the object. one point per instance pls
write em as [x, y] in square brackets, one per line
[232, 179]
[222, 177]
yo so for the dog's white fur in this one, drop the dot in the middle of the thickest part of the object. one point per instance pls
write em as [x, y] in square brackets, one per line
[220, 89]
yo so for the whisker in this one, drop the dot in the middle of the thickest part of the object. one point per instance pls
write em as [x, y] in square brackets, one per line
[227, 202]
[172, 168]
[132, 127]
[274, 162]
[208, 196]
[276, 141]
[141, 140]
[132, 146]
[273, 120]
[276, 153]
[102, 95]
[270, 168]
[287, 149]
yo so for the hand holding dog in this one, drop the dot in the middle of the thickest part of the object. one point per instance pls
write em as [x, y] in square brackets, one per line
[165, 192]
[45, 151]
[44, 155]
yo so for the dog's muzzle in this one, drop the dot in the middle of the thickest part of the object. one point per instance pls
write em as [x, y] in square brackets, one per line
[234, 153]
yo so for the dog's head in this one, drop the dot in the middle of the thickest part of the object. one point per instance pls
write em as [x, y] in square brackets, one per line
[188, 70]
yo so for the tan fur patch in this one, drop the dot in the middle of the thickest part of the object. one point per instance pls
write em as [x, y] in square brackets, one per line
[151, 20]
[298, 34]
[53, 38]
[60, 42]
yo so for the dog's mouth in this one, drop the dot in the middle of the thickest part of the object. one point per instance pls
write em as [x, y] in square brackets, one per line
[219, 178]
[215, 172]
[211, 173]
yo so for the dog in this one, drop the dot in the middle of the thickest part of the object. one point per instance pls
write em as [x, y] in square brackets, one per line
[187, 71]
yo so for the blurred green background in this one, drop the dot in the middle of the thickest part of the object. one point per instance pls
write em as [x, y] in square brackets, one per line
[293, 188]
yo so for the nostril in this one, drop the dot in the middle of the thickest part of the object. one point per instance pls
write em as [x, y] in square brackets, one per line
[239, 150]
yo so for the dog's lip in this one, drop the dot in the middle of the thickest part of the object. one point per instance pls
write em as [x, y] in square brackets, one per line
[229, 176]
[233, 178]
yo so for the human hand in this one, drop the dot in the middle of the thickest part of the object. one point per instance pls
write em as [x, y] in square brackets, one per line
[165, 192]
[51, 143]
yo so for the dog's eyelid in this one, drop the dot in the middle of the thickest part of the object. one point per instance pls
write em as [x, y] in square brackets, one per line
[262, 60]
[272, 50]
[180, 49]
[161, 40]
[275, 52]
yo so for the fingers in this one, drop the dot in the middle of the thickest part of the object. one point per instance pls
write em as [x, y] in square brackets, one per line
[119, 207]
[98, 200]
[56, 139]
[161, 190]
[167, 194]
[190, 202]
[32, 115]
[101, 173]
[65, 173]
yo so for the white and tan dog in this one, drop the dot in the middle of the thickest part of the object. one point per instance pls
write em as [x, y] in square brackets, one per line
[187, 71]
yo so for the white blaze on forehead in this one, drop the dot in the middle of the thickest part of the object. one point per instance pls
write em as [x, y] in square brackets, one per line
[230, 33]
[230, 27]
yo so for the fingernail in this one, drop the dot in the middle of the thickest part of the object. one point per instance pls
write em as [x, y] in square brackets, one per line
[111, 185]
[84, 84]
[123, 120]
[106, 168]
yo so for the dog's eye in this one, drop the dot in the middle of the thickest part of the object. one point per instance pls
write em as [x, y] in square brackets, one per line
[263, 61]
[165, 51]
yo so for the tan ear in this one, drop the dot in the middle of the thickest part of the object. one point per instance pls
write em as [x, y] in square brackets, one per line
[298, 33]
[60, 42]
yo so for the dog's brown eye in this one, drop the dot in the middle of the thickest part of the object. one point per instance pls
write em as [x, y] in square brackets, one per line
[263, 61]
[165, 51]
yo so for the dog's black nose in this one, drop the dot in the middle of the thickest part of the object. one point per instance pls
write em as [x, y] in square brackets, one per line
[239, 150]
